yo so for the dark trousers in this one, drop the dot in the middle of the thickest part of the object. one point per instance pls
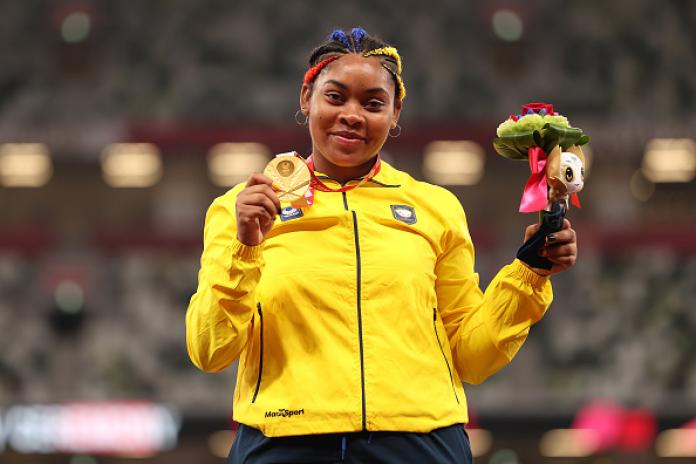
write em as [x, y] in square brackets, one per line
[448, 445]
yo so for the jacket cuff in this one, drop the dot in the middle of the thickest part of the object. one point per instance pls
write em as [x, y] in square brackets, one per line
[245, 252]
[526, 275]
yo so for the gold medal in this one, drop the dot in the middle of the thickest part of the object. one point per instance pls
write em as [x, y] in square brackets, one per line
[290, 176]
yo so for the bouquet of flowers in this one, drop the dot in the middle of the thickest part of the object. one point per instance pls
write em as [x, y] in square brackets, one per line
[552, 147]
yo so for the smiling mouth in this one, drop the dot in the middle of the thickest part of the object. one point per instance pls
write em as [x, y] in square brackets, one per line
[348, 136]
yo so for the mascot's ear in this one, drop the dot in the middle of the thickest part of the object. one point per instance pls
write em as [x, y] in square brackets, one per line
[557, 185]
[578, 152]
[553, 162]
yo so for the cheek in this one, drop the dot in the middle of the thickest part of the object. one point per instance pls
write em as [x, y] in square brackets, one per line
[380, 126]
[318, 124]
[324, 117]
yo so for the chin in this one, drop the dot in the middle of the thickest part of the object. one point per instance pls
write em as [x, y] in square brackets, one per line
[347, 160]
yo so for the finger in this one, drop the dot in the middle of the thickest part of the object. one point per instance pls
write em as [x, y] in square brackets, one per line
[566, 258]
[558, 251]
[259, 188]
[256, 189]
[253, 211]
[251, 214]
[268, 191]
[561, 237]
[262, 199]
[563, 263]
[259, 179]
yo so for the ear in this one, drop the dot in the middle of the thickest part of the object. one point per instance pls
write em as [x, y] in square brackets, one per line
[558, 187]
[397, 112]
[305, 97]
[553, 162]
[578, 152]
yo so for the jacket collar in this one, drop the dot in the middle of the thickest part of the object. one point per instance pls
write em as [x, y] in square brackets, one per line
[386, 177]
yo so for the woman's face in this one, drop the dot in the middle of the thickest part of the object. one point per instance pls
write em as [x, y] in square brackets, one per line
[351, 109]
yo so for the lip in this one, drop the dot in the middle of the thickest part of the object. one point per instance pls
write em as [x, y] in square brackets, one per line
[347, 139]
[348, 135]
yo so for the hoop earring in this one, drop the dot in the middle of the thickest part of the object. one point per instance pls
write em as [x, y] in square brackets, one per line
[300, 121]
[398, 131]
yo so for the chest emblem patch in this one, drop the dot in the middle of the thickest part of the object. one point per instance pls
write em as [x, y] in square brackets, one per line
[403, 213]
[289, 213]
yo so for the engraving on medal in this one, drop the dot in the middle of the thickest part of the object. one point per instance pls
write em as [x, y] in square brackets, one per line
[290, 176]
[285, 168]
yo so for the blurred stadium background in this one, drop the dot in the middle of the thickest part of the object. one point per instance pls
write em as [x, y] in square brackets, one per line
[121, 121]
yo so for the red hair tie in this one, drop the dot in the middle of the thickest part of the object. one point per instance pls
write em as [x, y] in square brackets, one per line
[316, 69]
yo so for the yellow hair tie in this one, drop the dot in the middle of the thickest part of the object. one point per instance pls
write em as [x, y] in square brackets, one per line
[391, 52]
[387, 51]
[402, 88]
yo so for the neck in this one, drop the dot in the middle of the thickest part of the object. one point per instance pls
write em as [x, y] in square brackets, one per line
[342, 174]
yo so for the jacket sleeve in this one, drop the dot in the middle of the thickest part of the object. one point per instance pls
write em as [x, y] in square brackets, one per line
[220, 312]
[485, 330]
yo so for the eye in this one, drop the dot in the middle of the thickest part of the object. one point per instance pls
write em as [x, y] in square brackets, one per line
[582, 173]
[569, 174]
[374, 104]
[334, 97]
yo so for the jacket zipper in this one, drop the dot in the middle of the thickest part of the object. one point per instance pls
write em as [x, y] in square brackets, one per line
[359, 307]
[258, 382]
[449, 370]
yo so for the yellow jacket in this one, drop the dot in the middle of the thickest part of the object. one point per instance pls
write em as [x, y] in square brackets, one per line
[362, 312]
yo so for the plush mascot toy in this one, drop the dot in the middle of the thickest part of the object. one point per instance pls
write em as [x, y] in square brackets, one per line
[545, 139]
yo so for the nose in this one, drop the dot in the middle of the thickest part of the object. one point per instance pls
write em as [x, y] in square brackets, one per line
[352, 114]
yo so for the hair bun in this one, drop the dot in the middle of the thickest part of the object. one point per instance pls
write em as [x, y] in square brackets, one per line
[339, 36]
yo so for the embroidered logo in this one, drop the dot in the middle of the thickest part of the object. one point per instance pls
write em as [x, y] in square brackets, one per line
[403, 213]
[289, 213]
[284, 413]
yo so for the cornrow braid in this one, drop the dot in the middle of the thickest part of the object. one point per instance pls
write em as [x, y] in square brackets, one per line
[359, 42]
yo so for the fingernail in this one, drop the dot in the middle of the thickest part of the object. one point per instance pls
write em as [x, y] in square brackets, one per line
[550, 237]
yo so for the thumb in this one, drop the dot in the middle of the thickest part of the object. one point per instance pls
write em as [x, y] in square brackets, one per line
[531, 230]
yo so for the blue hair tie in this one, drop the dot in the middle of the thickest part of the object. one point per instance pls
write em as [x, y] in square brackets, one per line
[339, 36]
[358, 34]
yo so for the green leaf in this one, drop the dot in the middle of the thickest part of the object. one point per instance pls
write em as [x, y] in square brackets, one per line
[553, 135]
[519, 143]
[505, 150]
[537, 138]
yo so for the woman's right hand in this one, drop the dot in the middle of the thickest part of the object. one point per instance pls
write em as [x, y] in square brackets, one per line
[257, 206]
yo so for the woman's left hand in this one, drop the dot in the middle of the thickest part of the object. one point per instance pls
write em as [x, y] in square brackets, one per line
[561, 248]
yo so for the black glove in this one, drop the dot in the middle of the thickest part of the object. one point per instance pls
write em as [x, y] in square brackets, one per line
[551, 221]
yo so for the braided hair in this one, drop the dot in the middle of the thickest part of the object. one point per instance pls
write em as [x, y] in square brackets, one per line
[359, 42]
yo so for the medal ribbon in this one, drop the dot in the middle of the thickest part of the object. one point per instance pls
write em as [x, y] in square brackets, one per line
[317, 184]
